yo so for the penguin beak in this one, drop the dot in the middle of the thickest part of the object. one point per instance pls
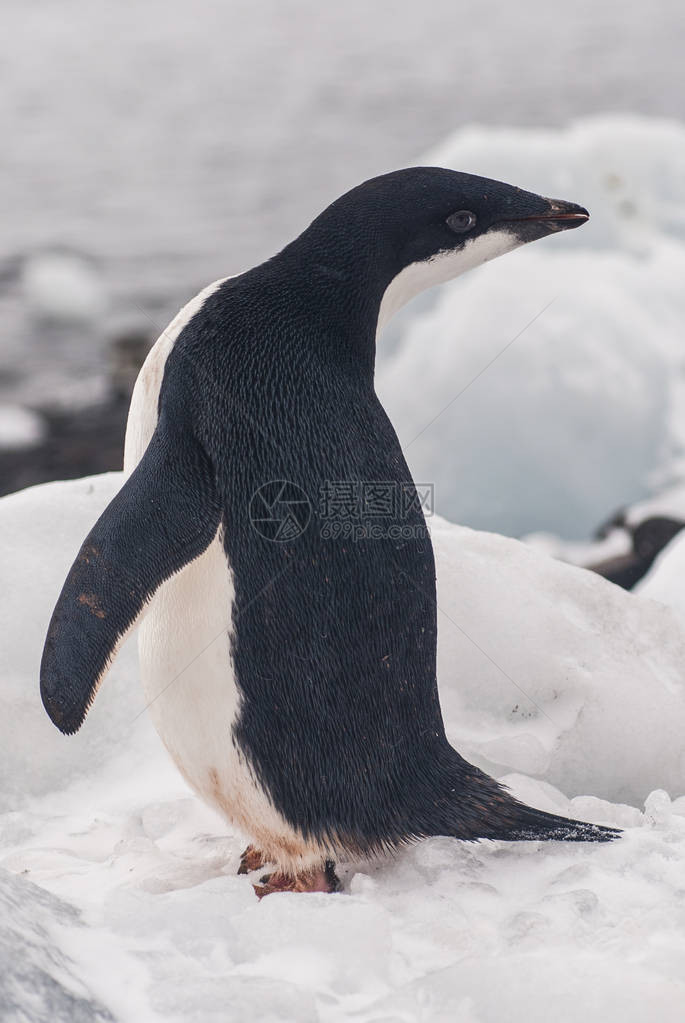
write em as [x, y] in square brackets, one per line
[547, 216]
[559, 216]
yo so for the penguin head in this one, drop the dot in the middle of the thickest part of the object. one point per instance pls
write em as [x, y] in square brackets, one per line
[426, 225]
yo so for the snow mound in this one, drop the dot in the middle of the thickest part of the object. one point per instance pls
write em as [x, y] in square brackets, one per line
[41, 530]
[554, 376]
[547, 669]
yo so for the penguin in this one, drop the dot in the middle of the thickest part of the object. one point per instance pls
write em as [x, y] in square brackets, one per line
[291, 671]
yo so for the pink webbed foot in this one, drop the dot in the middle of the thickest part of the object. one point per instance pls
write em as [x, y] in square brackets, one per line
[323, 879]
[252, 859]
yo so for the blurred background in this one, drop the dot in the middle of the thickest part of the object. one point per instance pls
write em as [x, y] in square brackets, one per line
[151, 148]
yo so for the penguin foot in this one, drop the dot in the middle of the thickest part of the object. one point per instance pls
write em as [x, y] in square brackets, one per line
[252, 859]
[323, 880]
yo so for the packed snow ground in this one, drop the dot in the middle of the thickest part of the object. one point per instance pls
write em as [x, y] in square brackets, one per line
[118, 892]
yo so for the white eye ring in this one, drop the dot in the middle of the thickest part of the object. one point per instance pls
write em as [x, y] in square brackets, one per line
[461, 221]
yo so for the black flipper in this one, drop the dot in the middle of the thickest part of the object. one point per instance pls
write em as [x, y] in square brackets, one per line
[165, 516]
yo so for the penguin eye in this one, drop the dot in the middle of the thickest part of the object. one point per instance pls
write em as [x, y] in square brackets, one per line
[462, 221]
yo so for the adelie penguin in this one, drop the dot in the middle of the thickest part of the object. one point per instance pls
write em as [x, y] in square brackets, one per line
[292, 677]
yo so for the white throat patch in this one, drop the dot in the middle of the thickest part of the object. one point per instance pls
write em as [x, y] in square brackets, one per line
[417, 277]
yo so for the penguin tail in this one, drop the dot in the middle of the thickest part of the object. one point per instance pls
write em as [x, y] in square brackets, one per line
[525, 824]
[485, 809]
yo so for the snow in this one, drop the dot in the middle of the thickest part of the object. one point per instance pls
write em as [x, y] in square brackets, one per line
[669, 503]
[19, 428]
[581, 410]
[37, 976]
[62, 287]
[118, 892]
[592, 710]
[617, 543]
[664, 581]
[615, 540]
[41, 531]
